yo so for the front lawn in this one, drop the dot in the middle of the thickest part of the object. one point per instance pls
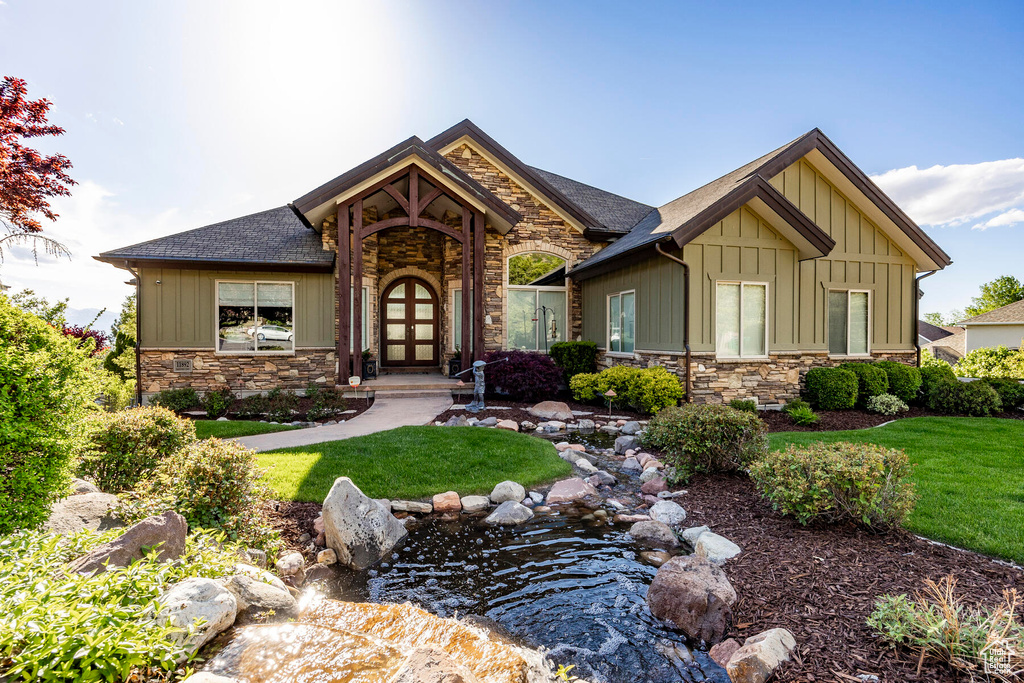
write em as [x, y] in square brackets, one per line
[969, 474]
[414, 463]
[206, 429]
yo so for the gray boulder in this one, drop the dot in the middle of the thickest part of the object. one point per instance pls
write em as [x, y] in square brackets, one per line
[359, 530]
[255, 599]
[625, 443]
[457, 421]
[631, 465]
[194, 600]
[552, 410]
[648, 474]
[93, 511]
[717, 549]
[488, 422]
[168, 531]
[585, 466]
[652, 533]
[570, 490]
[630, 428]
[585, 425]
[668, 512]
[695, 596]
[475, 503]
[80, 486]
[416, 506]
[693, 533]
[509, 513]
[507, 490]
[602, 478]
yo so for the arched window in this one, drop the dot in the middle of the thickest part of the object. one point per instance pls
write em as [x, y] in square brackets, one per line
[537, 301]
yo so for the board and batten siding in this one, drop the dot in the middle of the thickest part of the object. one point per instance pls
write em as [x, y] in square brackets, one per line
[180, 312]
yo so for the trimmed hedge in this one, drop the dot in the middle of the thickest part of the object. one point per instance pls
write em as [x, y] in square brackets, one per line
[904, 380]
[832, 388]
[932, 375]
[871, 381]
[647, 390]
[574, 357]
[976, 399]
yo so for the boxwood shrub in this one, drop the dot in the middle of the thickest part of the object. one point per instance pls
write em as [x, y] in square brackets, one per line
[574, 357]
[871, 381]
[706, 438]
[932, 375]
[976, 399]
[904, 380]
[832, 388]
[838, 482]
[646, 390]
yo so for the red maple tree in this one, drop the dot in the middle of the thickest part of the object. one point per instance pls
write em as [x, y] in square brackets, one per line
[28, 179]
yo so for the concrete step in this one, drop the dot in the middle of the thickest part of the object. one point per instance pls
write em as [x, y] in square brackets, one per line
[412, 393]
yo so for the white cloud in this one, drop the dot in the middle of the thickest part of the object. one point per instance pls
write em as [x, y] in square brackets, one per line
[959, 193]
[1011, 217]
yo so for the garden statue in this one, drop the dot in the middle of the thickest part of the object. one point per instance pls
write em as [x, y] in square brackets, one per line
[478, 383]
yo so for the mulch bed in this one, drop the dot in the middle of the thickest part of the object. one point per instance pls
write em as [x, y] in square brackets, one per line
[519, 411]
[820, 582]
[839, 420]
[292, 519]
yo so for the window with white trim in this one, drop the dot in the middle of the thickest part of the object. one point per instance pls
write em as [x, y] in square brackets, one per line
[255, 317]
[622, 322]
[848, 322]
[538, 301]
[456, 318]
[741, 312]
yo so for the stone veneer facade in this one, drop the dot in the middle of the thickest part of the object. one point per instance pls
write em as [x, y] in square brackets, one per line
[244, 375]
[775, 380]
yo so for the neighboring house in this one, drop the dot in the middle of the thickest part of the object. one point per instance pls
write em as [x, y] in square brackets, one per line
[794, 260]
[1003, 326]
[945, 343]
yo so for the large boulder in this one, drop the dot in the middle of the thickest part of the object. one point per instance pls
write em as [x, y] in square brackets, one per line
[625, 443]
[359, 530]
[569, 490]
[552, 410]
[80, 486]
[193, 600]
[653, 533]
[508, 490]
[509, 513]
[255, 599]
[717, 549]
[760, 656]
[432, 665]
[668, 512]
[168, 531]
[93, 511]
[630, 428]
[695, 596]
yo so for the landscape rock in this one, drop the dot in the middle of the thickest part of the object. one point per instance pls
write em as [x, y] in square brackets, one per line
[167, 530]
[414, 506]
[447, 502]
[630, 519]
[432, 665]
[585, 426]
[383, 502]
[624, 443]
[609, 429]
[292, 565]
[197, 599]
[656, 557]
[653, 533]
[760, 656]
[693, 533]
[630, 428]
[602, 478]
[255, 556]
[318, 524]
[260, 575]
[457, 421]
[716, 548]
[255, 599]
[488, 422]
[648, 474]
[723, 651]
[80, 486]
[585, 465]
[695, 596]
[359, 530]
[475, 503]
[507, 490]
[668, 512]
[537, 498]
[552, 410]
[631, 465]
[319, 573]
[93, 511]
[654, 486]
[527, 426]
[510, 425]
[509, 513]
[551, 426]
[569, 490]
[327, 556]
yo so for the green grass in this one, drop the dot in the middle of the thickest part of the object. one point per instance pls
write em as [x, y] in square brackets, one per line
[969, 474]
[414, 463]
[232, 428]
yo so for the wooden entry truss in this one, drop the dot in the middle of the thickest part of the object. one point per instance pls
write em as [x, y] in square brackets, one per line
[350, 259]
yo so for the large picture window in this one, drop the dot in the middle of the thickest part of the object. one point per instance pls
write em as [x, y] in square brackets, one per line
[848, 314]
[255, 317]
[622, 322]
[456, 318]
[537, 301]
[741, 311]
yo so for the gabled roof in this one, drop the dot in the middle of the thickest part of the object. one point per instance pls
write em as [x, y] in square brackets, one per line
[276, 238]
[931, 332]
[413, 147]
[617, 214]
[1010, 314]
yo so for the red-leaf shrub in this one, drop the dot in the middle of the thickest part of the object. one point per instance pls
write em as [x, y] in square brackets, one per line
[525, 376]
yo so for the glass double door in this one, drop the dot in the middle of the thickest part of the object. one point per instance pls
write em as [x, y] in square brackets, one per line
[409, 323]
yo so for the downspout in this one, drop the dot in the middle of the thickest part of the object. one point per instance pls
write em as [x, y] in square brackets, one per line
[917, 312]
[686, 314]
[138, 334]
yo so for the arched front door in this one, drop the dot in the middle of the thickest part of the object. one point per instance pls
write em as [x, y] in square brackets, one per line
[409, 323]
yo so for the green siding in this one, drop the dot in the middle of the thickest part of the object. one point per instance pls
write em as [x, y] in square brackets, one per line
[179, 312]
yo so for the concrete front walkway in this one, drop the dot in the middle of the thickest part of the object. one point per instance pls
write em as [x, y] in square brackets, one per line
[385, 413]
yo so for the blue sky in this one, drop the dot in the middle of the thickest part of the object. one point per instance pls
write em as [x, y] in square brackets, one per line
[182, 114]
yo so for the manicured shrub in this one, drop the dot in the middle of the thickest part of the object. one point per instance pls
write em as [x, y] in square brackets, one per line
[65, 626]
[218, 402]
[706, 438]
[574, 357]
[252, 407]
[525, 376]
[126, 447]
[281, 405]
[178, 400]
[887, 404]
[832, 388]
[838, 482]
[654, 389]
[618, 378]
[904, 380]
[1011, 392]
[584, 387]
[47, 387]
[938, 623]
[976, 399]
[745, 404]
[327, 402]
[932, 375]
[214, 485]
[999, 362]
[871, 381]
[803, 416]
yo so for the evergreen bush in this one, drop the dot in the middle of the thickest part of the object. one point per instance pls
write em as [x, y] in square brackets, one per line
[574, 357]
[871, 381]
[904, 380]
[832, 388]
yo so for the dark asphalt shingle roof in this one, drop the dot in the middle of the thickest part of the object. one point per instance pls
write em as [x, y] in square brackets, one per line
[931, 332]
[1010, 314]
[613, 211]
[274, 237]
